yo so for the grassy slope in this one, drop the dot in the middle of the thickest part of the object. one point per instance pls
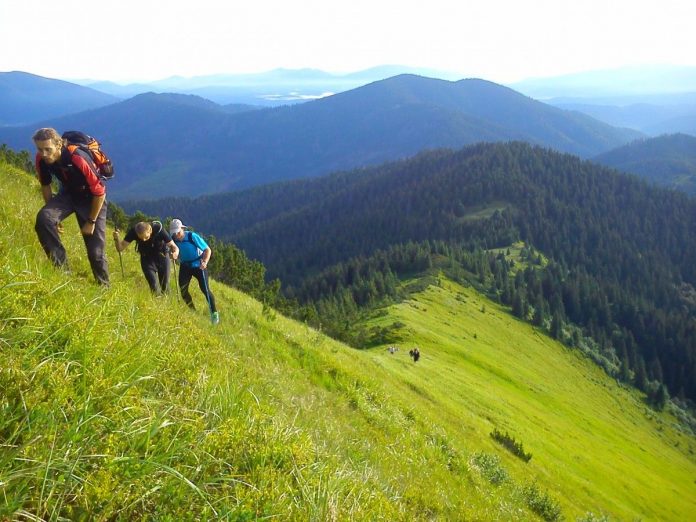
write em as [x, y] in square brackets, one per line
[594, 444]
[118, 405]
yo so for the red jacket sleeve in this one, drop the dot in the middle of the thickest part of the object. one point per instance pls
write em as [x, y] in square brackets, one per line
[95, 185]
[44, 177]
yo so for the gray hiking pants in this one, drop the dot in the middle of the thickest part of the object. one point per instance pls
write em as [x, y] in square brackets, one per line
[58, 209]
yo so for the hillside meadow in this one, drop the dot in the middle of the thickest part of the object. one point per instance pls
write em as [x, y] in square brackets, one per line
[119, 406]
[595, 444]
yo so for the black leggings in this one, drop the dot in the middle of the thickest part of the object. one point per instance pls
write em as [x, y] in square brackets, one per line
[185, 275]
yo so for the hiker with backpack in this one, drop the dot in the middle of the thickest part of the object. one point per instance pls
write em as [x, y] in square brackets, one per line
[82, 192]
[194, 254]
[153, 243]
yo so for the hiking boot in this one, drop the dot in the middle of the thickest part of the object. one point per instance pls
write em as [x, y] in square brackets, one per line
[215, 318]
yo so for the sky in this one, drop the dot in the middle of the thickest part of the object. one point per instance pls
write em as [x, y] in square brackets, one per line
[498, 40]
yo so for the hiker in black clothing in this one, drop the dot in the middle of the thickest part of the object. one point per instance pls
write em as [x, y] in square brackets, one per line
[415, 354]
[153, 245]
[82, 192]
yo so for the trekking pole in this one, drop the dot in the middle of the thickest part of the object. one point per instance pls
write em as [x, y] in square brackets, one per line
[176, 279]
[120, 257]
[207, 293]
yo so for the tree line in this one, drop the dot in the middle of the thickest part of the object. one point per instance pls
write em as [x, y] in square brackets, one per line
[22, 160]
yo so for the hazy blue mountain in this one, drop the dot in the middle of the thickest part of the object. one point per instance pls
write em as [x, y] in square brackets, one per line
[382, 72]
[236, 108]
[140, 134]
[625, 81]
[269, 88]
[26, 98]
[260, 96]
[653, 115]
[167, 145]
[668, 160]
[121, 91]
[684, 123]
[660, 100]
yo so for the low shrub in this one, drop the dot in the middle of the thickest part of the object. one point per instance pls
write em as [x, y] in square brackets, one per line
[489, 466]
[542, 504]
[511, 444]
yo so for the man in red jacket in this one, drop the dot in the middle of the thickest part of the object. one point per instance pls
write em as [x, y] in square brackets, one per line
[82, 192]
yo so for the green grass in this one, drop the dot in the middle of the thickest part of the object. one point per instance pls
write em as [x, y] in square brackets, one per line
[514, 255]
[118, 406]
[484, 211]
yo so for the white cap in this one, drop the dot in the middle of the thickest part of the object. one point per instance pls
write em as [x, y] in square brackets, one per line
[175, 226]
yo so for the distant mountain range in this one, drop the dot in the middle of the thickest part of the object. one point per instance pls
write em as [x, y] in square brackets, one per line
[168, 145]
[623, 82]
[654, 115]
[26, 98]
[668, 160]
[271, 88]
[653, 100]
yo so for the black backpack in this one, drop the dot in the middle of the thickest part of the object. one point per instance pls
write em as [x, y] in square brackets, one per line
[91, 148]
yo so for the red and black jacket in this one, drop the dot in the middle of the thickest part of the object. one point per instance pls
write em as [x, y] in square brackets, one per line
[76, 173]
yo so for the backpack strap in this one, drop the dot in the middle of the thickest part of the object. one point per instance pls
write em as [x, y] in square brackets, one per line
[66, 156]
[70, 150]
[160, 245]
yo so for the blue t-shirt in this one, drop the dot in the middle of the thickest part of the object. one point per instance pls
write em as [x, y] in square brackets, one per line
[191, 248]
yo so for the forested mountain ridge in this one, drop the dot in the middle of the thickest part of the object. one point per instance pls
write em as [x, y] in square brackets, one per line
[428, 197]
[621, 252]
[668, 160]
[163, 145]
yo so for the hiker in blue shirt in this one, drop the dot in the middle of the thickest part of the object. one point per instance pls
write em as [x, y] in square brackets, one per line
[194, 254]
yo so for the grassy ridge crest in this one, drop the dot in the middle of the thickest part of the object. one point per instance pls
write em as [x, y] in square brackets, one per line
[595, 444]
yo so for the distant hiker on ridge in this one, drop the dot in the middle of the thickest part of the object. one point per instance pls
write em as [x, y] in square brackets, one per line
[82, 192]
[415, 354]
[153, 245]
[194, 254]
